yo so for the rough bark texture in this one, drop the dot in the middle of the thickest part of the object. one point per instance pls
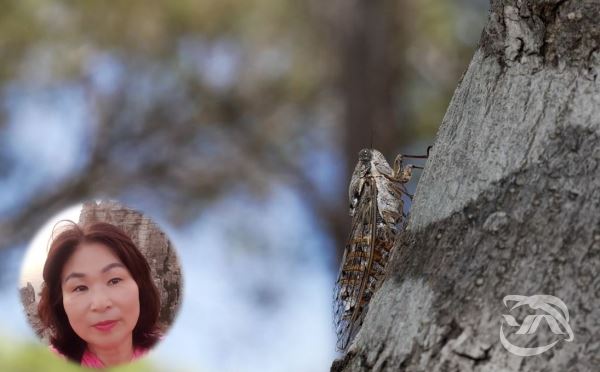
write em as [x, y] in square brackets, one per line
[30, 302]
[509, 203]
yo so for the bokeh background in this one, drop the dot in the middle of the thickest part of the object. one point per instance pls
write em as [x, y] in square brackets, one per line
[235, 125]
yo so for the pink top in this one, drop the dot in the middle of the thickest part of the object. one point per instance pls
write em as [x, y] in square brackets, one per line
[90, 359]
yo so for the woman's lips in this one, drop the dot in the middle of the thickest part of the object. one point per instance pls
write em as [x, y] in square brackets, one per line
[106, 325]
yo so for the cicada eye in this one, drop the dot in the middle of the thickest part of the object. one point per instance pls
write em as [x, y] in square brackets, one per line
[364, 155]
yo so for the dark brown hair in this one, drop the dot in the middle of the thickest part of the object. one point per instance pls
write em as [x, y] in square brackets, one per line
[52, 313]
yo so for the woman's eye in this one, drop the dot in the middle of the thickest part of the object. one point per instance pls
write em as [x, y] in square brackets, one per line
[114, 281]
[79, 288]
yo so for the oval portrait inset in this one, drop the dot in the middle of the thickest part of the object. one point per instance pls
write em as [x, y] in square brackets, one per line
[101, 284]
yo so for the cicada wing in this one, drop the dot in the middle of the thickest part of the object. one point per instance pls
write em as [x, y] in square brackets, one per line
[353, 275]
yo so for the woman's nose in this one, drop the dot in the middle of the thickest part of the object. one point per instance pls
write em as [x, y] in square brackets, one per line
[100, 300]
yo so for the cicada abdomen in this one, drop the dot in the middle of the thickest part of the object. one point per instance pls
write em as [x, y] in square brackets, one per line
[376, 207]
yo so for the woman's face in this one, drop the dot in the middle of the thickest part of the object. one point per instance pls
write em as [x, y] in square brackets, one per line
[100, 296]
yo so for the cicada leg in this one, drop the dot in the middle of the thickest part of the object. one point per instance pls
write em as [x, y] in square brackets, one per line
[402, 173]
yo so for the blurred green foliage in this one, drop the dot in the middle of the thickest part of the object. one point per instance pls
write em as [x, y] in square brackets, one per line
[28, 357]
[143, 34]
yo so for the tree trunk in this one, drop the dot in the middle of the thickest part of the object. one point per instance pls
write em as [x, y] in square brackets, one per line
[509, 204]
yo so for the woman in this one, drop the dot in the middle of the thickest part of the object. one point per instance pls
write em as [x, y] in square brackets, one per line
[98, 297]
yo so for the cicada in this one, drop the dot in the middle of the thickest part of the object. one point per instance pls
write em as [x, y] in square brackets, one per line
[376, 206]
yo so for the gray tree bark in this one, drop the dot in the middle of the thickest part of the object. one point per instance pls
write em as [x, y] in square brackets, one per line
[509, 203]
